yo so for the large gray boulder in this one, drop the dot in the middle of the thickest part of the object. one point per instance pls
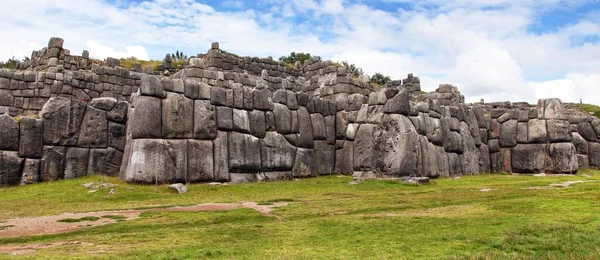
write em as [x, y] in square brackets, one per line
[221, 157]
[344, 159]
[9, 133]
[305, 130]
[398, 146]
[583, 161]
[151, 86]
[454, 164]
[283, 119]
[471, 154]
[428, 158]
[581, 145]
[257, 123]
[104, 161]
[508, 134]
[276, 153]
[537, 132]
[559, 130]
[596, 125]
[324, 158]
[586, 131]
[116, 136]
[178, 151]
[522, 133]
[484, 161]
[6, 97]
[177, 116]
[594, 154]
[104, 103]
[119, 112]
[12, 166]
[224, 118]
[399, 104]
[553, 109]
[31, 171]
[53, 163]
[241, 121]
[364, 147]
[150, 162]
[94, 129]
[30, 137]
[146, 120]
[331, 129]
[262, 99]
[200, 161]
[561, 158]
[76, 162]
[205, 125]
[528, 158]
[434, 131]
[56, 116]
[318, 127]
[304, 163]
[244, 153]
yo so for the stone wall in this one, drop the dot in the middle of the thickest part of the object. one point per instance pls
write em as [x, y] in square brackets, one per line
[71, 139]
[231, 119]
[26, 92]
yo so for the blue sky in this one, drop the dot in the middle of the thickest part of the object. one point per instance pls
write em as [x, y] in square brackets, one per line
[517, 50]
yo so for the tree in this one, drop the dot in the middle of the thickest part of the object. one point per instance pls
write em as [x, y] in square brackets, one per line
[353, 70]
[300, 56]
[10, 63]
[380, 79]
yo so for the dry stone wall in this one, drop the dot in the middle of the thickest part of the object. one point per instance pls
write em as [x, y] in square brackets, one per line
[230, 119]
[70, 139]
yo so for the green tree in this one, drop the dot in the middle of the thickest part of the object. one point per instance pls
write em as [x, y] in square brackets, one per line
[300, 56]
[380, 79]
[10, 63]
[353, 70]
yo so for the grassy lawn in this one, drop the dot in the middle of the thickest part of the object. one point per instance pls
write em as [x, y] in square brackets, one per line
[328, 219]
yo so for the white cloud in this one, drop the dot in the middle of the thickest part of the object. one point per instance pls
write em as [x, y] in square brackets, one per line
[488, 52]
[572, 88]
[98, 50]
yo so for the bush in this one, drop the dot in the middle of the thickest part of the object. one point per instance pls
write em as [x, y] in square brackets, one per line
[300, 56]
[380, 79]
[353, 70]
[11, 63]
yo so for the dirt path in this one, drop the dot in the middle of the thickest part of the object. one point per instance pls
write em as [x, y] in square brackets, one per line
[50, 224]
[562, 185]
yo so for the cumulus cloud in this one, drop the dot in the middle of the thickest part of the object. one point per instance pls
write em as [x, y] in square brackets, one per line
[486, 47]
[98, 50]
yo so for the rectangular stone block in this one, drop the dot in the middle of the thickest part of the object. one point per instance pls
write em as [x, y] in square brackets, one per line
[76, 161]
[177, 116]
[244, 153]
[221, 157]
[146, 121]
[30, 137]
[200, 161]
[205, 125]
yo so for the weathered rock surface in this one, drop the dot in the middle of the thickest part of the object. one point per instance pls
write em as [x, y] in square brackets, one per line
[9, 133]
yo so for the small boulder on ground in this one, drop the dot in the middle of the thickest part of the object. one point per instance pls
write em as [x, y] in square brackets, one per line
[415, 180]
[179, 187]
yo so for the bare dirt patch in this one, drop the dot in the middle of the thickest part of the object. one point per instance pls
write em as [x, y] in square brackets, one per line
[26, 249]
[562, 185]
[51, 224]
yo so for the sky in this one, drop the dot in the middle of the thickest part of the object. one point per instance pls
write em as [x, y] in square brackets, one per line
[496, 50]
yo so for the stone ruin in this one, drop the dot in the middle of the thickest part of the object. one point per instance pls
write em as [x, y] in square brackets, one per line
[226, 118]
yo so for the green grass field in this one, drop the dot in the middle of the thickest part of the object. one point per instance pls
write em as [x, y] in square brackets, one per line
[327, 219]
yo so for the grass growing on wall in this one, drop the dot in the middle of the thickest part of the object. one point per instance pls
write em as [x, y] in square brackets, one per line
[327, 219]
[590, 108]
[129, 63]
